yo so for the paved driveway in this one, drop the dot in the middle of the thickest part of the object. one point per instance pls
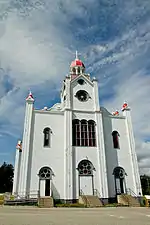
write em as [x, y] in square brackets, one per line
[73, 216]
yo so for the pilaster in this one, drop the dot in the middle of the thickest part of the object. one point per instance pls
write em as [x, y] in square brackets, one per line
[96, 95]
[134, 161]
[67, 102]
[103, 184]
[68, 178]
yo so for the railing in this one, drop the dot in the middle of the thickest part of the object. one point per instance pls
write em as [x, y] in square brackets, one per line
[130, 192]
[27, 195]
[81, 193]
[96, 193]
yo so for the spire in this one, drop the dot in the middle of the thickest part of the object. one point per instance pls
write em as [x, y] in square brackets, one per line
[125, 106]
[30, 97]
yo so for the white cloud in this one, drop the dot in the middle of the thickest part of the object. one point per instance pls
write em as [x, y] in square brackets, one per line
[36, 43]
[125, 68]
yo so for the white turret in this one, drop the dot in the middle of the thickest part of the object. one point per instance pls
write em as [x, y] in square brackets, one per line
[23, 186]
[17, 167]
[127, 113]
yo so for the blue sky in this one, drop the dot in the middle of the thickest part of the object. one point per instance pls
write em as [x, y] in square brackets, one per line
[38, 40]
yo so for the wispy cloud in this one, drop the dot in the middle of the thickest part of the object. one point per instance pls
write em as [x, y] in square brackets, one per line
[37, 43]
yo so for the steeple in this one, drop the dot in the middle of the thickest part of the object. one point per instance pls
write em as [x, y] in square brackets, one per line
[77, 66]
[30, 97]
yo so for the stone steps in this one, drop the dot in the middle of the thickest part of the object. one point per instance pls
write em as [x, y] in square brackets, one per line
[128, 200]
[90, 201]
[46, 202]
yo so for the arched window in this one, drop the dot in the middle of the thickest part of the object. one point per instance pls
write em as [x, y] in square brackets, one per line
[76, 132]
[83, 133]
[120, 183]
[47, 132]
[92, 134]
[45, 173]
[78, 70]
[74, 70]
[116, 136]
[85, 168]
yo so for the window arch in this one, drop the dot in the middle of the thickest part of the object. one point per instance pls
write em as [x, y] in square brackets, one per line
[83, 133]
[119, 172]
[76, 132]
[45, 173]
[115, 136]
[120, 181]
[85, 168]
[92, 134]
[47, 132]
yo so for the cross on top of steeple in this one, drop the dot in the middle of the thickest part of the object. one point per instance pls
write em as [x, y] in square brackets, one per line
[77, 54]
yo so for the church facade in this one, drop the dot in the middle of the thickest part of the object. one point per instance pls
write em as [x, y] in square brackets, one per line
[76, 146]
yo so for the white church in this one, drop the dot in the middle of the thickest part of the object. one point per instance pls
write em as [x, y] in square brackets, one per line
[76, 146]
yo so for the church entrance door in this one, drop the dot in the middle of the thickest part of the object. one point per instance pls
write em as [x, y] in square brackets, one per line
[47, 187]
[86, 181]
[45, 178]
[120, 184]
[86, 185]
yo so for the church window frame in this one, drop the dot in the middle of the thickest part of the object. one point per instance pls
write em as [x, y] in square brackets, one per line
[83, 133]
[85, 168]
[47, 137]
[45, 173]
[92, 133]
[115, 138]
[81, 82]
[82, 96]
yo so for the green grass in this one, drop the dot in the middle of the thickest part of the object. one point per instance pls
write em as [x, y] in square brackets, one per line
[76, 205]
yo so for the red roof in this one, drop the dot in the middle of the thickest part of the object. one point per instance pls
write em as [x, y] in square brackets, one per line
[77, 62]
[30, 97]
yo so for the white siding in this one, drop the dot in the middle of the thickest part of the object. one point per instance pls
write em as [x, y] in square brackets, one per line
[52, 156]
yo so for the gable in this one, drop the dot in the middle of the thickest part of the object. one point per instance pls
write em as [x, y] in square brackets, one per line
[74, 82]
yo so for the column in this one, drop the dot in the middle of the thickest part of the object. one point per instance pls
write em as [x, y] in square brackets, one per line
[17, 169]
[26, 146]
[96, 95]
[101, 156]
[68, 178]
[134, 162]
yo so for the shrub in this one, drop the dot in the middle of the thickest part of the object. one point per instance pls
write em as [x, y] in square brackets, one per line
[1, 197]
[1, 202]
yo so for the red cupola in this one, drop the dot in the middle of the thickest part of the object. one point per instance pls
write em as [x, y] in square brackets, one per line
[76, 67]
[77, 62]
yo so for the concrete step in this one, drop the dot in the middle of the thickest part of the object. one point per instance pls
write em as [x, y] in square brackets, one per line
[46, 202]
[90, 201]
[128, 200]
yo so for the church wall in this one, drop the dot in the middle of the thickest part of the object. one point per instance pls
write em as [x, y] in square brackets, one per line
[52, 156]
[124, 153]
[75, 103]
[117, 157]
[111, 154]
[83, 115]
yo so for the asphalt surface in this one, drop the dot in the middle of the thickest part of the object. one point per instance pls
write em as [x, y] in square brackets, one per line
[73, 216]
